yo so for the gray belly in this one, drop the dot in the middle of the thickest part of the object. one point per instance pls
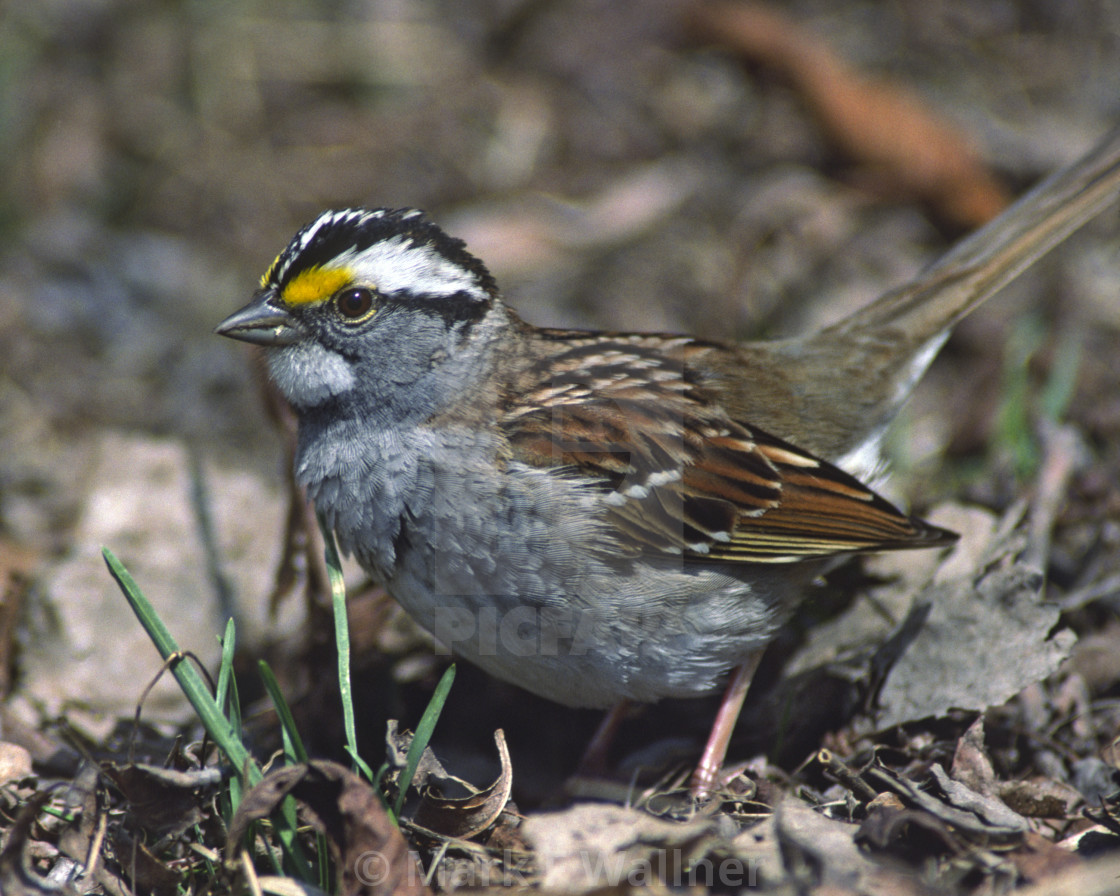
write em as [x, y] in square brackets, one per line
[659, 633]
[517, 574]
[523, 584]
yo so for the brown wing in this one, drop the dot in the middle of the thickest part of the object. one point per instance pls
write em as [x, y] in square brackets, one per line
[679, 476]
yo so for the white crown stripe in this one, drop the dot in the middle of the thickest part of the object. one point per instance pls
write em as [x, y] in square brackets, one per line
[399, 265]
[396, 264]
[308, 234]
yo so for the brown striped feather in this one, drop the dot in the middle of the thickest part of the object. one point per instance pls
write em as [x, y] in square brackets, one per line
[680, 476]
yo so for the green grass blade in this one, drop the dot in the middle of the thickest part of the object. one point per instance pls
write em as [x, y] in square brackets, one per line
[423, 735]
[1014, 435]
[200, 698]
[297, 752]
[225, 695]
[342, 644]
[1062, 383]
[185, 673]
[225, 665]
[293, 743]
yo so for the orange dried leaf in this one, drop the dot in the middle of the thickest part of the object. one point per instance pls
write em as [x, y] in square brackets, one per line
[879, 126]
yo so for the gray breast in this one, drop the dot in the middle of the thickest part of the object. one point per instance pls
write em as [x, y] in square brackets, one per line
[510, 566]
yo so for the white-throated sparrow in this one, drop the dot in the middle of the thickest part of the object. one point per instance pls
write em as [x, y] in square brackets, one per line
[600, 516]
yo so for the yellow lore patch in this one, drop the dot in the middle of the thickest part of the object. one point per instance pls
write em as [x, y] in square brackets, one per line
[315, 285]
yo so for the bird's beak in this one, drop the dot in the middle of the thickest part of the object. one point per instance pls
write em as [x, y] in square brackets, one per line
[261, 323]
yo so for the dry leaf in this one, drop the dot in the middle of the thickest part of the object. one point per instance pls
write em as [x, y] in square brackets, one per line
[15, 763]
[470, 816]
[370, 855]
[1111, 753]
[287, 886]
[397, 744]
[146, 871]
[1096, 878]
[875, 123]
[820, 853]
[15, 878]
[988, 634]
[596, 847]
[894, 826]
[971, 765]
[1008, 829]
[988, 809]
[1039, 797]
[164, 801]
[539, 233]
[1040, 859]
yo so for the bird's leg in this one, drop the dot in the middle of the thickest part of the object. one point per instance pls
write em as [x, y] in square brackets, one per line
[706, 775]
[594, 761]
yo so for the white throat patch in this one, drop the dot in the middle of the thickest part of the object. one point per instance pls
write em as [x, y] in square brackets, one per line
[308, 374]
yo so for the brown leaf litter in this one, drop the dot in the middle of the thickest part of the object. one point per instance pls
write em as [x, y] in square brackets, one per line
[880, 127]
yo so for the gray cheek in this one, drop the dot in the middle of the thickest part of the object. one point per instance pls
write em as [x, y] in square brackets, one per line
[309, 374]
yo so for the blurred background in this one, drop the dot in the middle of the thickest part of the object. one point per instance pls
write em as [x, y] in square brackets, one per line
[642, 165]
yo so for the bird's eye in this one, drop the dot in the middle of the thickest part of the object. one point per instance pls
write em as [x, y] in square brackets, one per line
[354, 303]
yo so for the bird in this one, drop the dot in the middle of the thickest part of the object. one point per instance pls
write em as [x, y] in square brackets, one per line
[601, 517]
